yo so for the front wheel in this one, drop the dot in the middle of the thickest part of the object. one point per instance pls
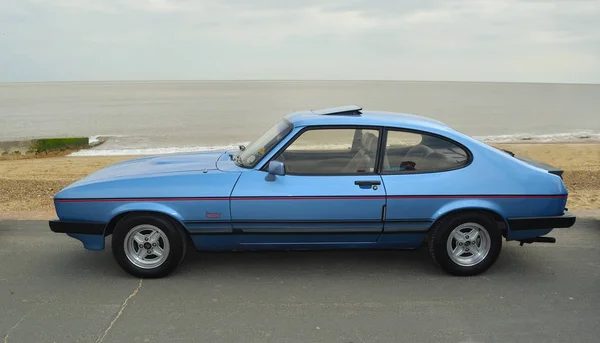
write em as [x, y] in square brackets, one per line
[465, 244]
[148, 246]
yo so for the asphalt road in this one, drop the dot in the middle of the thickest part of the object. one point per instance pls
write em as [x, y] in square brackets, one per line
[52, 290]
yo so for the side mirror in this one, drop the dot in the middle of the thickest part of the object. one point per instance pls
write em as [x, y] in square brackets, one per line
[275, 168]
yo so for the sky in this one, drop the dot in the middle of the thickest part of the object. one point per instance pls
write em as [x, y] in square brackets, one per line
[425, 40]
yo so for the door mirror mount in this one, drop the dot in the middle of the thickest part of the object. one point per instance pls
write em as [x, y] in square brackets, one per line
[275, 168]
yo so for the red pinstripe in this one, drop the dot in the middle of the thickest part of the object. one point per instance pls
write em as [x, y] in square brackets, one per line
[340, 197]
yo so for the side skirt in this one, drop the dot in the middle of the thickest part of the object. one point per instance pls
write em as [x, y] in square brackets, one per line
[295, 241]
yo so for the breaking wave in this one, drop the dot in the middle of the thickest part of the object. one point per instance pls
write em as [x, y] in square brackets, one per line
[580, 136]
[108, 146]
[150, 151]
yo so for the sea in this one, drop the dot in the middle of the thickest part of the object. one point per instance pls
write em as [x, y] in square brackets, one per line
[157, 117]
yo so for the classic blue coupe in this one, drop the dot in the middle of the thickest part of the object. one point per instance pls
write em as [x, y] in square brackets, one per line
[321, 179]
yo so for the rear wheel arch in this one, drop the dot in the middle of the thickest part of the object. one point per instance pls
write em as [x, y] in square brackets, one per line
[494, 215]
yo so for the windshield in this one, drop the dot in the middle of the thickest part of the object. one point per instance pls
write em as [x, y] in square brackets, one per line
[249, 156]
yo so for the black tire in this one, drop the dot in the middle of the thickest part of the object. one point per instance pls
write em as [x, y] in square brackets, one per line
[176, 238]
[438, 238]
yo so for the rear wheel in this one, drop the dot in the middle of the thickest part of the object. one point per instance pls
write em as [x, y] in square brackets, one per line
[465, 244]
[148, 246]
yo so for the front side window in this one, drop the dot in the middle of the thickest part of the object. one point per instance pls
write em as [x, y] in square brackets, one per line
[332, 151]
[409, 152]
[253, 153]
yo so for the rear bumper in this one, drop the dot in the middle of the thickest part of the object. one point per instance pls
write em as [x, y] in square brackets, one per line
[567, 219]
[77, 227]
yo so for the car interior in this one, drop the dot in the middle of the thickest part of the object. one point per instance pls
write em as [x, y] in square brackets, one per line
[429, 154]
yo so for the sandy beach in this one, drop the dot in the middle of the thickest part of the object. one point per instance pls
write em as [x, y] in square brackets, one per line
[28, 185]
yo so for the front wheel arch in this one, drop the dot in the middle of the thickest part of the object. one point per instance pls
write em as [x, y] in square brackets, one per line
[110, 227]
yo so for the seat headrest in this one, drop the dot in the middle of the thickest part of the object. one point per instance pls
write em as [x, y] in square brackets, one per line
[368, 139]
[373, 143]
[370, 143]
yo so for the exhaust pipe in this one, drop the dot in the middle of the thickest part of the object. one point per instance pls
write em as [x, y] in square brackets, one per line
[537, 240]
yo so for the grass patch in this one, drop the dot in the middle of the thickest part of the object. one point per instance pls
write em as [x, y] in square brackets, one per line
[54, 144]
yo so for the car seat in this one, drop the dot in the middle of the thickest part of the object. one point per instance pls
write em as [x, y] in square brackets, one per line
[364, 160]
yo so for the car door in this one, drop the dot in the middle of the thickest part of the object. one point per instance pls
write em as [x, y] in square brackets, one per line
[419, 171]
[330, 192]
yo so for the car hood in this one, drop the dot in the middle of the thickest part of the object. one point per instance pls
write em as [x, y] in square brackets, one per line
[153, 165]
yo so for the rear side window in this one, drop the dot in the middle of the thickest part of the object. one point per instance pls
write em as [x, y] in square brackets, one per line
[415, 152]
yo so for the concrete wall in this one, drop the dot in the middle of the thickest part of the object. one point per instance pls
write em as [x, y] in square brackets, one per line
[11, 147]
[23, 147]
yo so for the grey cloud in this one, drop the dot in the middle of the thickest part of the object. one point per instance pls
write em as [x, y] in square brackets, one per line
[546, 41]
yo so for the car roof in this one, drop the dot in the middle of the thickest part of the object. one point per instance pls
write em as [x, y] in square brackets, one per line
[355, 115]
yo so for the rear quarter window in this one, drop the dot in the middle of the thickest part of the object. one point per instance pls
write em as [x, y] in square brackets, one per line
[414, 152]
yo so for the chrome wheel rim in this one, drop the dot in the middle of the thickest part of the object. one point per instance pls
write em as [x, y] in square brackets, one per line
[146, 246]
[468, 244]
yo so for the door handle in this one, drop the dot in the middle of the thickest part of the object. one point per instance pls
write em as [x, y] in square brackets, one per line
[367, 183]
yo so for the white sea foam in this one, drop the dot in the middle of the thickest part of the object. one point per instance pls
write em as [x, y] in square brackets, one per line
[579, 136]
[112, 148]
[151, 151]
[94, 140]
[146, 151]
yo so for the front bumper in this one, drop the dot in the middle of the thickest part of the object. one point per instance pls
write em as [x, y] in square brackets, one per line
[565, 220]
[77, 227]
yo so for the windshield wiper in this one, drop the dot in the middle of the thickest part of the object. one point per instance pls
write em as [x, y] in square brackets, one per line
[238, 160]
[242, 148]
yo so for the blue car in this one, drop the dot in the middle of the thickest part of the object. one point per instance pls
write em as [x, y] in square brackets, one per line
[339, 178]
